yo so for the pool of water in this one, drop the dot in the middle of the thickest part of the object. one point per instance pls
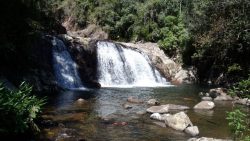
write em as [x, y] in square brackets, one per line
[102, 117]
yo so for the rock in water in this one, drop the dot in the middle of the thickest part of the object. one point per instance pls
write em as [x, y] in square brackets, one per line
[132, 99]
[206, 139]
[193, 130]
[158, 109]
[153, 102]
[205, 105]
[156, 116]
[178, 121]
[207, 98]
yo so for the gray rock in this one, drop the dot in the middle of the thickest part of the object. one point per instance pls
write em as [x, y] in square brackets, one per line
[242, 101]
[132, 99]
[156, 116]
[165, 108]
[206, 98]
[206, 139]
[193, 130]
[153, 102]
[161, 124]
[177, 107]
[216, 92]
[205, 105]
[223, 98]
[178, 121]
[127, 106]
[158, 109]
[141, 112]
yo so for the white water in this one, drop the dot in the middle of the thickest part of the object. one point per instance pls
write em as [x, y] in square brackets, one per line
[65, 68]
[123, 67]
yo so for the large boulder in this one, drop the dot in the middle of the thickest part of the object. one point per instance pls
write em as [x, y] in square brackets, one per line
[193, 130]
[205, 105]
[179, 121]
[156, 116]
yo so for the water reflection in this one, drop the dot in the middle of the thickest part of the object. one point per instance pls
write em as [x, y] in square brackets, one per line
[103, 117]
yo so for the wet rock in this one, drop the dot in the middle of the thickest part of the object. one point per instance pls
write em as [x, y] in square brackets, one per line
[153, 102]
[161, 124]
[156, 116]
[206, 139]
[205, 105]
[127, 106]
[166, 108]
[223, 98]
[81, 101]
[206, 98]
[193, 130]
[141, 112]
[158, 109]
[178, 121]
[177, 107]
[132, 99]
[164, 116]
[203, 94]
[243, 101]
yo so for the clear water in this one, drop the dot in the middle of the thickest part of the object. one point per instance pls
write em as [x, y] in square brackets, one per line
[124, 67]
[103, 117]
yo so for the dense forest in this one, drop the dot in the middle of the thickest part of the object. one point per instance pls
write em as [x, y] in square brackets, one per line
[212, 36]
[211, 32]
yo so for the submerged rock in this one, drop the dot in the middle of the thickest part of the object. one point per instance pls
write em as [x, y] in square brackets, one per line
[132, 99]
[127, 106]
[153, 102]
[207, 98]
[193, 130]
[177, 107]
[179, 121]
[205, 105]
[141, 112]
[161, 124]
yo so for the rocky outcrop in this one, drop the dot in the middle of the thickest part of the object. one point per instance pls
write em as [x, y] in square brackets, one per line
[83, 52]
[170, 69]
[205, 105]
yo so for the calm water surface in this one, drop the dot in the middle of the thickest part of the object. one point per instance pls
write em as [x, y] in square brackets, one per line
[103, 118]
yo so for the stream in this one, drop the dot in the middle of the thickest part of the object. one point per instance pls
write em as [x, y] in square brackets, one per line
[102, 116]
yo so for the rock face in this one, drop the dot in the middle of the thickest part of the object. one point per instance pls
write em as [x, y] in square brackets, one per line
[205, 105]
[207, 98]
[193, 130]
[171, 70]
[179, 121]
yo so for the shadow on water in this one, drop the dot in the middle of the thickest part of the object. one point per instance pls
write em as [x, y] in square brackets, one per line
[102, 116]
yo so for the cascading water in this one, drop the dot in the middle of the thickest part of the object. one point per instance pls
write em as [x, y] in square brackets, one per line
[124, 67]
[64, 67]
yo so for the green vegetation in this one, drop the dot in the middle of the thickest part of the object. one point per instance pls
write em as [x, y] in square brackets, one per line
[241, 89]
[238, 124]
[18, 110]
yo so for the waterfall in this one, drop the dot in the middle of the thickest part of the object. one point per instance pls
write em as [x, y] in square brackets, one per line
[65, 68]
[124, 67]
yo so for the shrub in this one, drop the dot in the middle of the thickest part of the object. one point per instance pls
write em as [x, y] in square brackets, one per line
[237, 123]
[241, 89]
[19, 109]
